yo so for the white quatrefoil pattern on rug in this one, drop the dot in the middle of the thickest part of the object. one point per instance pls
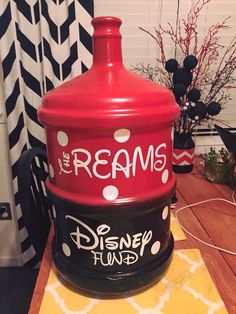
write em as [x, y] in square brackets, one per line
[186, 288]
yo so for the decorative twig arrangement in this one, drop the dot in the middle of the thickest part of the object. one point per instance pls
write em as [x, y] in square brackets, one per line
[212, 75]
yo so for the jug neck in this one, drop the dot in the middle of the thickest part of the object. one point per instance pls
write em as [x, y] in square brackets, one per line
[106, 41]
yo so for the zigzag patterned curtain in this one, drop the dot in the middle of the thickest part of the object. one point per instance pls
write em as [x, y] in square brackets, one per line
[42, 44]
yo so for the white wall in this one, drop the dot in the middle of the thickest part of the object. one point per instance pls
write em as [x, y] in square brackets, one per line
[139, 47]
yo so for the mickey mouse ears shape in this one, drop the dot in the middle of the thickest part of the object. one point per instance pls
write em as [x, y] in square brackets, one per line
[213, 108]
[194, 95]
[229, 139]
[190, 62]
[171, 65]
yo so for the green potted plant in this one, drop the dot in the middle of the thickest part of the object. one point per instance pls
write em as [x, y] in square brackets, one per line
[218, 166]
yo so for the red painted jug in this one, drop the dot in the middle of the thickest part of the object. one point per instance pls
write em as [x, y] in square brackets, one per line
[109, 140]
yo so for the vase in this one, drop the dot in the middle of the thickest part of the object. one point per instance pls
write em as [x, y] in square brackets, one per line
[112, 228]
[183, 152]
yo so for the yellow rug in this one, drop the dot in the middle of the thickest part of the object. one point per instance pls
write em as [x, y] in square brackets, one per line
[176, 229]
[186, 288]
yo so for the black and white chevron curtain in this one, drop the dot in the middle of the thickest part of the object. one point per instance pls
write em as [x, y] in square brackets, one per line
[42, 44]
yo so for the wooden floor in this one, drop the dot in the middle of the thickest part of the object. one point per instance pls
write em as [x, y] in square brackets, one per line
[214, 222]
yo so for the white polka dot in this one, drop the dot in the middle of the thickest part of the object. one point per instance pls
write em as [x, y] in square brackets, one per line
[62, 138]
[66, 249]
[155, 247]
[165, 212]
[165, 176]
[122, 135]
[51, 171]
[172, 134]
[110, 192]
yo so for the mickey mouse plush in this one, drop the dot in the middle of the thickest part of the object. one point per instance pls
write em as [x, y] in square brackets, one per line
[182, 76]
[182, 79]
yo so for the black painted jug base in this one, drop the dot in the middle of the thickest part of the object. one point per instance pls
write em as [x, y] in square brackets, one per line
[182, 169]
[108, 285]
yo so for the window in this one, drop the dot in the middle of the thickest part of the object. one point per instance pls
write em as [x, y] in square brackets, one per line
[139, 47]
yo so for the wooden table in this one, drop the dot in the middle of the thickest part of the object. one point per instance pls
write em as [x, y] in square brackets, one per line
[214, 222]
